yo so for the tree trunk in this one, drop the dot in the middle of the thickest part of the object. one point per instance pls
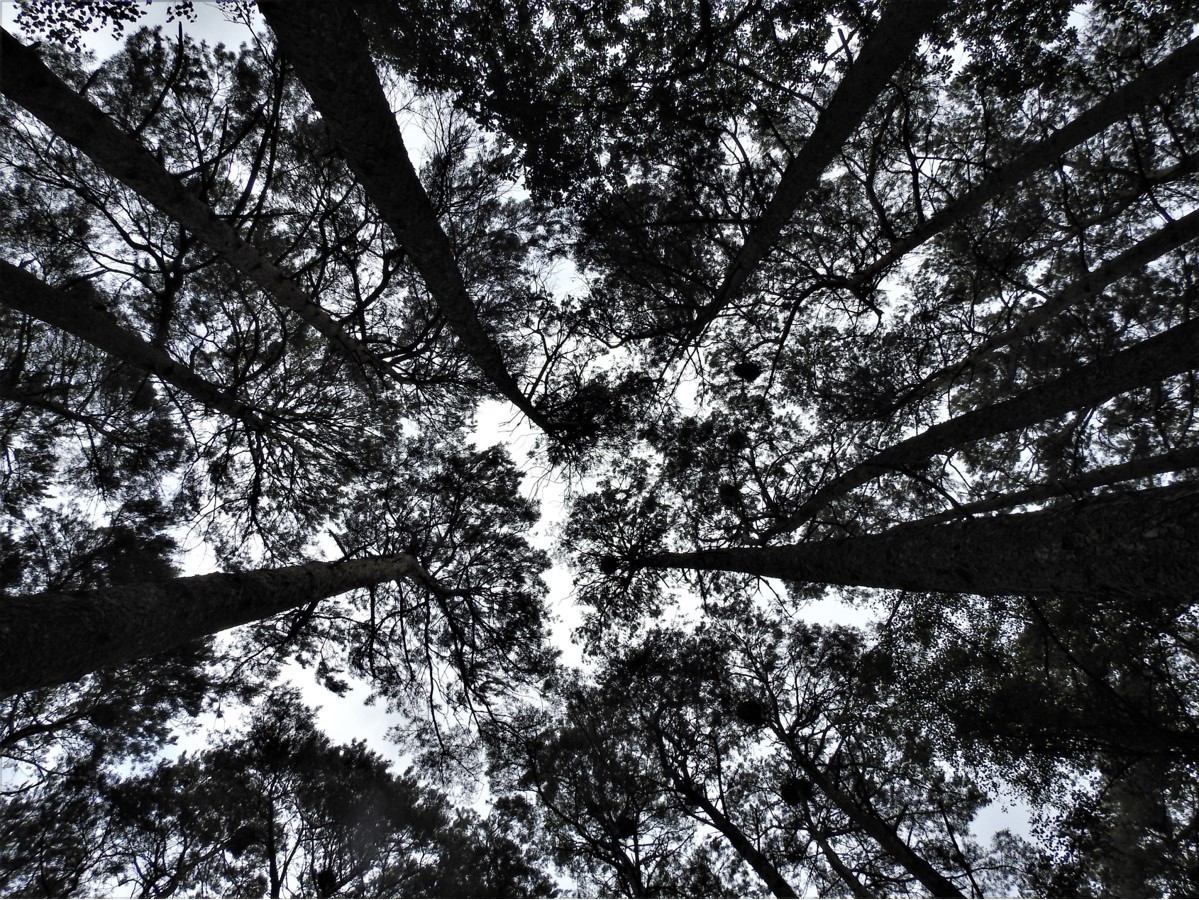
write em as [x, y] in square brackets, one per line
[1173, 461]
[25, 80]
[50, 639]
[1171, 72]
[758, 861]
[836, 864]
[94, 325]
[1137, 547]
[889, 46]
[1132, 260]
[1162, 356]
[865, 818]
[327, 49]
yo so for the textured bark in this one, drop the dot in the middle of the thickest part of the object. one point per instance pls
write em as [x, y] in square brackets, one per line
[1137, 547]
[894, 39]
[51, 639]
[1173, 461]
[327, 49]
[94, 325]
[1162, 356]
[1132, 260]
[25, 80]
[1171, 72]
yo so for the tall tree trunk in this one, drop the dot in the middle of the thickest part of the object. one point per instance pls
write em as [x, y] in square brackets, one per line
[1138, 547]
[25, 80]
[95, 325]
[1132, 260]
[889, 46]
[1173, 461]
[870, 822]
[758, 861]
[834, 860]
[1162, 356]
[50, 639]
[327, 49]
[1147, 87]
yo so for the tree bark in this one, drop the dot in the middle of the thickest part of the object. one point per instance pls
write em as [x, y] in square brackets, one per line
[51, 639]
[1162, 356]
[327, 49]
[758, 861]
[25, 80]
[836, 864]
[1172, 461]
[1145, 88]
[894, 39]
[95, 325]
[870, 822]
[1137, 547]
[1132, 260]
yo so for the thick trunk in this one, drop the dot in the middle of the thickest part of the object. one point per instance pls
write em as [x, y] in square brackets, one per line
[889, 46]
[1132, 260]
[51, 639]
[1138, 547]
[1147, 87]
[1173, 461]
[94, 325]
[25, 80]
[1162, 356]
[326, 47]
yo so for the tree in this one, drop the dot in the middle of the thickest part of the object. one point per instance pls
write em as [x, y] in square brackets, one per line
[891, 300]
[277, 808]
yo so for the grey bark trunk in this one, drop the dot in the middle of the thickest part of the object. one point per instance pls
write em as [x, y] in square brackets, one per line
[758, 861]
[50, 639]
[1132, 260]
[25, 80]
[326, 47]
[1171, 72]
[837, 865]
[1173, 461]
[1162, 356]
[94, 325]
[894, 39]
[1137, 547]
[871, 823]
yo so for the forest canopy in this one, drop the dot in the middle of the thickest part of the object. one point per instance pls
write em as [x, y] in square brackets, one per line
[891, 308]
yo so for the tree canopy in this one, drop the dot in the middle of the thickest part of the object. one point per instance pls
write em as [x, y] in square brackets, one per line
[888, 304]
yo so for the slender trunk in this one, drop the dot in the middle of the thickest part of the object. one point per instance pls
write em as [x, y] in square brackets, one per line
[757, 860]
[870, 822]
[25, 80]
[1137, 547]
[94, 325]
[889, 46]
[1162, 356]
[1132, 260]
[272, 860]
[327, 49]
[1147, 87]
[50, 639]
[1173, 461]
